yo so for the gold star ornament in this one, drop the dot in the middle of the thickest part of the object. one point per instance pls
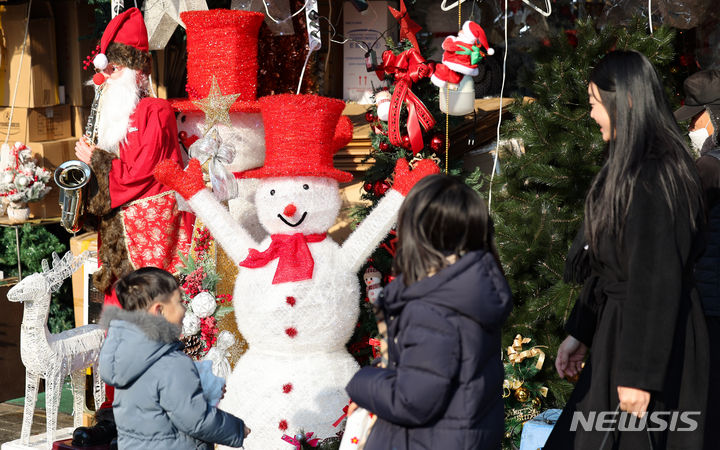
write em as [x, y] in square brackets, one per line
[216, 106]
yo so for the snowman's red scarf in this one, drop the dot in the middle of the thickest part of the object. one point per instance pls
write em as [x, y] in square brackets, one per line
[296, 262]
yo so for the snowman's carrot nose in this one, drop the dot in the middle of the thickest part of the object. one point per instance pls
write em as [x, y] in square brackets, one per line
[290, 210]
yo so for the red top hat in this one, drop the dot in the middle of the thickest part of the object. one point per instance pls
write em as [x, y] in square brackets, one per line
[296, 146]
[221, 43]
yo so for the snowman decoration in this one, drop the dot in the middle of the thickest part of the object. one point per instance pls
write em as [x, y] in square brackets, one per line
[373, 288]
[296, 301]
[222, 45]
[247, 136]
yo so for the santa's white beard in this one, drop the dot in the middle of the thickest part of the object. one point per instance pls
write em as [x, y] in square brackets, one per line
[118, 101]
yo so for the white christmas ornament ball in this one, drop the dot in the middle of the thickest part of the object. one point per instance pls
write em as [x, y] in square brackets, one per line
[100, 61]
[203, 304]
[191, 324]
[22, 181]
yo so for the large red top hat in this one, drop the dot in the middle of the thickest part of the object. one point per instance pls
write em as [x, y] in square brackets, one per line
[298, 147]
[221, 43]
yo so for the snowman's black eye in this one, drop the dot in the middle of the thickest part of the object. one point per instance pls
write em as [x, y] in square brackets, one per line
[272, 191]
[306, 187]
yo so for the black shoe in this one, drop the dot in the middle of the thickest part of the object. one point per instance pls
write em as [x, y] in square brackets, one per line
[102, 433]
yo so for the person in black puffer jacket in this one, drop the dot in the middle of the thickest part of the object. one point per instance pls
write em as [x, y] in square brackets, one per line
[702, 108]
[442, 387]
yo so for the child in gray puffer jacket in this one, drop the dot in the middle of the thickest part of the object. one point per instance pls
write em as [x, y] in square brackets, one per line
[159, 401]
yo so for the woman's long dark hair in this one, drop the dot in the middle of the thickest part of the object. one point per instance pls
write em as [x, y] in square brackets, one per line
[441, 216]
[642, 128]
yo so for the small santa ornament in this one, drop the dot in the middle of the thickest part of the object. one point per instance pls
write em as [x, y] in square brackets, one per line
[462, 54]
[373, 288]
[296, 293]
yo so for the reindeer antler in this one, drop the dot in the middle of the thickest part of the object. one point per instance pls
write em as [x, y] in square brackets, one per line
[62, 268]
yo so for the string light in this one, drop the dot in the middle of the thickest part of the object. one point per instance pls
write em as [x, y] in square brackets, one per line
[502, 91]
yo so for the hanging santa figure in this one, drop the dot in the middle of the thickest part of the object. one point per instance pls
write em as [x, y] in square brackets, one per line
[138, 221]
[296, 300]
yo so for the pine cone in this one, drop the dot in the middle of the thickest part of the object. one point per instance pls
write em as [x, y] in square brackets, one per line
[193, 345]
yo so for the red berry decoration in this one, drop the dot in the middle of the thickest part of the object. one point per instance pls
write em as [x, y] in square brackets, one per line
[368, 187]
[437, 143]
[370, 117]
[406, 141]
[383, 146]
[381, 188]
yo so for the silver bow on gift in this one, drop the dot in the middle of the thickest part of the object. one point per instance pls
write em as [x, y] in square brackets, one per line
[211, 147]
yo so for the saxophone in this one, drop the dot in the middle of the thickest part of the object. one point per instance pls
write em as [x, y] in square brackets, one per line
[72, 177]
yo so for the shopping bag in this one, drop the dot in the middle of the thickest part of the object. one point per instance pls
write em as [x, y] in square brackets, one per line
[357, 429]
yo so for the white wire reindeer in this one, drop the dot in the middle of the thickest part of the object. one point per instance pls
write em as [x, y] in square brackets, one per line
[54, 356]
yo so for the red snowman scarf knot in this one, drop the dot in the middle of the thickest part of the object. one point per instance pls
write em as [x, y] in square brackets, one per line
[296, 262]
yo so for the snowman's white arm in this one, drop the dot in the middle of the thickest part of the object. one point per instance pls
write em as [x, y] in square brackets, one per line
[231, 236]
[366, 237]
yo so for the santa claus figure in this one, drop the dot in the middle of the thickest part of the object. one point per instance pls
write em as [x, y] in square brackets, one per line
[139, 224]
[296, 293]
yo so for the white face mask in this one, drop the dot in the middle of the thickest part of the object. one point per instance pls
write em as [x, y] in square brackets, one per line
[698, 137]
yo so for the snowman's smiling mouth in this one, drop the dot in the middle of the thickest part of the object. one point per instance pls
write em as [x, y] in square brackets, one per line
[293, 224]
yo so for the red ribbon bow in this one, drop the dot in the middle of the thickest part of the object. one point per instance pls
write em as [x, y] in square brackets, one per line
[408, 67]
[312, 442]
[296, 262]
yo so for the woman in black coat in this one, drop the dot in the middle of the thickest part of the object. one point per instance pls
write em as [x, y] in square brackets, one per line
[442, 388]
[638, 311]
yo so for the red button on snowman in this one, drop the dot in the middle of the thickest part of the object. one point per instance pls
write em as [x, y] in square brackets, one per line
[296, 294]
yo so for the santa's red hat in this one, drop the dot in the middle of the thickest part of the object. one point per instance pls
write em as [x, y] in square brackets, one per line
[221, 43]
[127, 28]
[472, 33]
[464, 52]
[302, 133]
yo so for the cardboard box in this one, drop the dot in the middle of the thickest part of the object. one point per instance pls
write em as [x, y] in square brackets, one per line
[36, 124]
[49, 206]
[50, 154]
[75, 37]
[78, 244]
[80, 116]
[12, 371]
[35, 62]
[364, 27]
